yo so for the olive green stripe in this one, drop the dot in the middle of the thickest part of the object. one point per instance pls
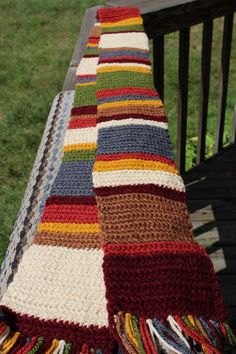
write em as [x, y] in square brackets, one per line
[92, 50]
[124, 78]
[85, 96]
[122, 28]
[79, 155]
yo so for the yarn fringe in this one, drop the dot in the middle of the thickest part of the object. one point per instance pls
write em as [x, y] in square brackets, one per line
[181, 335]
[10, 340]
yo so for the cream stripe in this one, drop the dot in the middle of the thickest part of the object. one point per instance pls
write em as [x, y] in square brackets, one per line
[131, 177]
[118, 40]
[60, 283]
[87, 66]
[133, 121]
[78, 136]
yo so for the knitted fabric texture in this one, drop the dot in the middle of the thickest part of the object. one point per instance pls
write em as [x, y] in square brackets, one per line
[114, 262]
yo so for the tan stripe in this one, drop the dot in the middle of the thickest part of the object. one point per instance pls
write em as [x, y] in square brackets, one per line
[141, 217]
[83, 240]
[95, 32]
[154, 111]
[83, 116]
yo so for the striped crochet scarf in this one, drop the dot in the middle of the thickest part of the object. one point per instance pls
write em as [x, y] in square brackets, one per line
[114, 262]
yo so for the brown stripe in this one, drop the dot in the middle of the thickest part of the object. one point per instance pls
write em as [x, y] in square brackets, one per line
[154, 111]
[91, 240]
[141, 217]
[83, 116]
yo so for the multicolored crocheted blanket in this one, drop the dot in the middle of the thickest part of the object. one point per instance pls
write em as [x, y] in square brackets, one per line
[114, 262]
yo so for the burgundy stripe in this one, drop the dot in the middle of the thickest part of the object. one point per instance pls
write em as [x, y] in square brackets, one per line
[164, 282]
[131, 115]
[90, 56]
[84, 110]
[71, 200]
[142, 188]
[94, 336]
[123, 60]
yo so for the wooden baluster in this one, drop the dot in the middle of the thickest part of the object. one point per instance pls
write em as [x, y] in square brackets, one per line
[234, 125]
[183, 96]
[225, 61]
[205, 84]
[158, 65]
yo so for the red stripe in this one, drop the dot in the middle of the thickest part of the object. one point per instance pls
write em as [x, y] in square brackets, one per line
[136, 155]
[101, 119]
[124, 59]
[117, 14]
[82, 123]
[86, 76]
[142, 188]
[84, 110]
[93, 40]
[70, 213]
[153, 247]
[125, 91]
[71, 200]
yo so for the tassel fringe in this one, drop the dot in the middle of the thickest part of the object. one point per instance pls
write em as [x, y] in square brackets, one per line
[9, 341]
[180, 335]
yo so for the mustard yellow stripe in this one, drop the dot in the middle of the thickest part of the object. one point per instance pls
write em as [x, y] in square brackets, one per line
[129, 329]
[124, 68]
[85, 84]
[10, 343]
[132, 164]
[83, 146]
[157, 103]
[68, 227]
[92, 44]
[54, 345]
[128, 21]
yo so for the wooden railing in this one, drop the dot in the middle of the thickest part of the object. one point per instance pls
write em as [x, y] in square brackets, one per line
[165, 16]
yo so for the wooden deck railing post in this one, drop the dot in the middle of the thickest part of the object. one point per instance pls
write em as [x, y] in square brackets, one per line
[225, 62]
[158, 65]
[234, 125]
[205, 85]
[184, 35]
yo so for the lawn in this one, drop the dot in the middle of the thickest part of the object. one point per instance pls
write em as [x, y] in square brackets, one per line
[36, 43]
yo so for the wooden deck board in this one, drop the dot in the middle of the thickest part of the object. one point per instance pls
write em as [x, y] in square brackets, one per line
[211, 192]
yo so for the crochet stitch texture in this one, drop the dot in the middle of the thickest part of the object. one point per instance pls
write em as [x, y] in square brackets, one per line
[114, 261]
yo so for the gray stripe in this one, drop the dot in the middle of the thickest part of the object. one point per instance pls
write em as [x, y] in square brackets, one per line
[134, 53]
[74, 178]
[134, 138]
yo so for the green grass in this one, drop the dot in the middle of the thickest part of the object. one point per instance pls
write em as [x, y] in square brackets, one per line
[36, 45]
[37, 38]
